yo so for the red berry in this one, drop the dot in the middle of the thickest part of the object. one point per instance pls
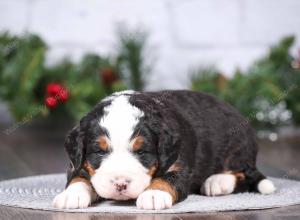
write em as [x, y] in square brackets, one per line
[51, 102]
[53, 89]
[63, 95]
[108, 76]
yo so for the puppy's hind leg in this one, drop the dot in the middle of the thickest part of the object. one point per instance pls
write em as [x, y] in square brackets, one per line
[233, 182]
[255, 181]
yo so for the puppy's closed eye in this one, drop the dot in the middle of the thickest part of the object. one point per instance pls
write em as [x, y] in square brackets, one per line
[101, 152]
[140, 152]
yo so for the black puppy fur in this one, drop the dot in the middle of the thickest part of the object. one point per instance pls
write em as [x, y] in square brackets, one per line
[189, 136]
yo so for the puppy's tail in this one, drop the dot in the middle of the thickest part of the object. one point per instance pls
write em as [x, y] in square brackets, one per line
[258, 182]
[265, 186]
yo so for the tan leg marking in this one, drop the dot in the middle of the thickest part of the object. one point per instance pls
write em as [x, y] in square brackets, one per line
[160, 184]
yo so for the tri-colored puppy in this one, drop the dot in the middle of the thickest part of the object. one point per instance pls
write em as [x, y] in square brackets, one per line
[158, 147]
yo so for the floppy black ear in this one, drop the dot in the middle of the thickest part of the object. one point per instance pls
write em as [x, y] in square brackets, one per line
[75, 149]
[168, 149]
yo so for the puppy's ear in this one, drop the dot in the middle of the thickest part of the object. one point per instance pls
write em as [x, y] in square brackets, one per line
[168, 149]
[75, 149]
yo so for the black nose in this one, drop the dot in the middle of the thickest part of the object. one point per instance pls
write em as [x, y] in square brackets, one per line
[121, 186]
[120, 183]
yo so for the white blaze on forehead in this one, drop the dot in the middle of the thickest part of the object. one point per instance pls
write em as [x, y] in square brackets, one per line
[125, 92]
[115, 94]
[120, 119]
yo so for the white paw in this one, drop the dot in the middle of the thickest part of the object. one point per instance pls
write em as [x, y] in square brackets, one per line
[154, 199]
[76, 196]
[266, 186]
[219, 184]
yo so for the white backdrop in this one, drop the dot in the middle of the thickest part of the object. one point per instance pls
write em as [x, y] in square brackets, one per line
[184, 34]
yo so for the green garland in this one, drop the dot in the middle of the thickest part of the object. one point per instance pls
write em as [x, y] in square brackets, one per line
[24, 76]
[270, 85]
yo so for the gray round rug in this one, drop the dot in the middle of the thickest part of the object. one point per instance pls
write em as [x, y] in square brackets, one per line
[37, 192]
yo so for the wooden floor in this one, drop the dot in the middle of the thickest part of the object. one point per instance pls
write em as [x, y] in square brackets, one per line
[31, 151]
[288, 213]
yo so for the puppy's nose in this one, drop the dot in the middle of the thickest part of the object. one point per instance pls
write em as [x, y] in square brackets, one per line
[121, 187]
[121, 184]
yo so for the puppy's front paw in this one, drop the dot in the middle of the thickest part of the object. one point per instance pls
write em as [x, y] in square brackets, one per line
[154, 199]
[219, 184]
[76, 196]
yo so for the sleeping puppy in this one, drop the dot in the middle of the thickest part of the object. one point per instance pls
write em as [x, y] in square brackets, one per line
[159, 147]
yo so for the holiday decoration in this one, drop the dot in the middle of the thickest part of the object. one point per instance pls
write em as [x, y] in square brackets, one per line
[131, 58]
[296, 62]
[53, 88]
[63, 95]
[66, 88]
[55, 92]
[108, 77]
[51, 102]
[268, 93]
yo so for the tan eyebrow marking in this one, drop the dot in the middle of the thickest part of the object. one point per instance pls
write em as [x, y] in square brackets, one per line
[103, 143]
[137, 142]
